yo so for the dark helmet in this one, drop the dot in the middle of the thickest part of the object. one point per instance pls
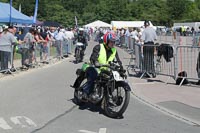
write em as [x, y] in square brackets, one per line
[146, 23]
[109, 37]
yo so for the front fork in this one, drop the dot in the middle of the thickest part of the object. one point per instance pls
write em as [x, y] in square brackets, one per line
[110, 88]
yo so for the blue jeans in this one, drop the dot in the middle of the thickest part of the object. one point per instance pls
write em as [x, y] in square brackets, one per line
[91, 75]
[5, 58]
[58, 47]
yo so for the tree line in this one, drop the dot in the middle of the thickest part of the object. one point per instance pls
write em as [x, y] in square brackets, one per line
[159, 12]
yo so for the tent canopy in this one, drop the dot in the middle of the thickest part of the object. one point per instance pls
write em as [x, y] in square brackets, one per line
[16, 16]
[127, 24]
[98, 24]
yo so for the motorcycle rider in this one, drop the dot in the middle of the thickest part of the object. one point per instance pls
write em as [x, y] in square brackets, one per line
[102, 54]
[81, 37]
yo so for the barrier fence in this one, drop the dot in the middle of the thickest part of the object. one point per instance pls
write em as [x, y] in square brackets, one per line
[168, 57]
[40, 53]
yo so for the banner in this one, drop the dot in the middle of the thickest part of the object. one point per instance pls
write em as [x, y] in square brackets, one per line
[35, 12]
[76, 22]
[20, 8]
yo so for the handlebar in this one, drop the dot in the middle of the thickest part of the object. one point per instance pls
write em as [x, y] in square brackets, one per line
[112, 66]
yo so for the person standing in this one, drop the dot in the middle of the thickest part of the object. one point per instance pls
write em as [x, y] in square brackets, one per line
[40, 43]
[69, 37]
[27, 49]
[7, 39]
[148, 37]
[59, 38]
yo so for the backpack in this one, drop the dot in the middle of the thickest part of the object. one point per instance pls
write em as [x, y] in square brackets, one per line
[179, 79]
[166, 50]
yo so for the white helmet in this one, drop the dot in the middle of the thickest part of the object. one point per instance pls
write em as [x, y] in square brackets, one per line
[81, 29]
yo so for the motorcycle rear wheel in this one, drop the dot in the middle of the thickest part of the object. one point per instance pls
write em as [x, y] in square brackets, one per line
[76, 100]
[78, 56]
[76, 95]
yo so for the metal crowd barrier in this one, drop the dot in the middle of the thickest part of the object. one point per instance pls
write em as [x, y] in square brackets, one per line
[63, 48]
[56, 49]
[186, 60]
[53, 51]
[183, 58]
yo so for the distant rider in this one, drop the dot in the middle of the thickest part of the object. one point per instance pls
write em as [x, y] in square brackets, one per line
[81, 37]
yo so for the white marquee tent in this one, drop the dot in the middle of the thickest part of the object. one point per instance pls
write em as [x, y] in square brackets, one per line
[127, 24]
[98, 24]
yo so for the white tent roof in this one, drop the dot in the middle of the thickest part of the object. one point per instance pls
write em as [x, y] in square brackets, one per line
[98, 24]
[127, 24]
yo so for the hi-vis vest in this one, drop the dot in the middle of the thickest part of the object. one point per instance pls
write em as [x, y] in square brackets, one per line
[102, 59]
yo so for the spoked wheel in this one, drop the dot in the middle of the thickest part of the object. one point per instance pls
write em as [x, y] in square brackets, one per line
[78, 56]
[76, 99]
[77, 94]
[116, 105]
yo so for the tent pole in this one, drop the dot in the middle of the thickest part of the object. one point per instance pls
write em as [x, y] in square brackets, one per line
[10, 12]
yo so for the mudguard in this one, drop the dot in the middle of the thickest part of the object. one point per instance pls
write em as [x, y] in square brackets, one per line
[85, 66]
[123, 83]
[79, 72]
[80, 77]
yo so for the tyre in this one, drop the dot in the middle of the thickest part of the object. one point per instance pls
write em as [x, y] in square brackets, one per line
[77, 93]
[77, 55]
[115, 107]
[76, 99]
[81, 55]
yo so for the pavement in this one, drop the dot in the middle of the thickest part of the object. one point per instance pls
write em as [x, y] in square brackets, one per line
[181, 102]
[162, 93]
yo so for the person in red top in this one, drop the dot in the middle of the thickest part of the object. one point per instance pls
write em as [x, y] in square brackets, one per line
[40, 41]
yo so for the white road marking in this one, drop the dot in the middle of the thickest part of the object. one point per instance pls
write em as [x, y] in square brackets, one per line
[16, 121]
[101, 130]
[86, 131]
[4, 124]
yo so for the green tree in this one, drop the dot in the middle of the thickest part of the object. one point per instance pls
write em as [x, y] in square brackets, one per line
[160, 12]
[177, 8]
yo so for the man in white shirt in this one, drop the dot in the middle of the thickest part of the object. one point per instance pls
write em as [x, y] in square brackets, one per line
[148, 37]
[7, 39]
[70, 36]
[59, 37]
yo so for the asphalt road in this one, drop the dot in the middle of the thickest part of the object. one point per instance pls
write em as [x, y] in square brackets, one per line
[40, 101]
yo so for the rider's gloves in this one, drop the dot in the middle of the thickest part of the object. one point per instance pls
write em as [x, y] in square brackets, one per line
[97, 64]
[121, 67]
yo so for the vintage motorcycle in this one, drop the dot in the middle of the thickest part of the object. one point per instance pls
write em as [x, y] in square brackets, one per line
[110, 90]
[79, 53]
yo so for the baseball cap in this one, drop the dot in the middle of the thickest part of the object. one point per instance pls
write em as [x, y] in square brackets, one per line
[146, 23]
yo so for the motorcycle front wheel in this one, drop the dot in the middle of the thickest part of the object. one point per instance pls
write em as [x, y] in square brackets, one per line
[117, 104]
